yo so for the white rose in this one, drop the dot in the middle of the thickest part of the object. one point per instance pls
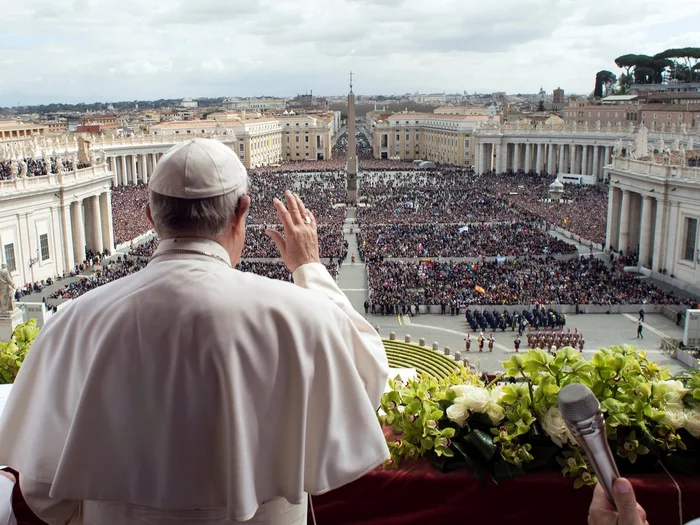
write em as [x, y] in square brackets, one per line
[495, 413]
[692, 422]
[458, 414]
[554, 426]
[674, 416]
[474, 398]
[496, 394]
[672, 391]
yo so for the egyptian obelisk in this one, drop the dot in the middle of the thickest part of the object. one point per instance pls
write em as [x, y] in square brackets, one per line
[351, 166]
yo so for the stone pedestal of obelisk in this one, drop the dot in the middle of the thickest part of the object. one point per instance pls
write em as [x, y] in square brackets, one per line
[8, 322]
[351, 166]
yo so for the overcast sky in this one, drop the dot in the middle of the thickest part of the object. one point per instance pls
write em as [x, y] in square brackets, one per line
[109, 50]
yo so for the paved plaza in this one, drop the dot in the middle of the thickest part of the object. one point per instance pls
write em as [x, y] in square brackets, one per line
[599, 330]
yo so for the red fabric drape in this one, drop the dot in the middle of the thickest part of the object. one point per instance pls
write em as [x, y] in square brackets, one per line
[418, 494]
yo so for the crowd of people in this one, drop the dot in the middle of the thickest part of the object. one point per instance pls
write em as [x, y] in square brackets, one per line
[581, 281]
[331, 243]
[428, 197]
[128, 212]
[452, 240]
[35, 167]
[584, 211]
[405, 212]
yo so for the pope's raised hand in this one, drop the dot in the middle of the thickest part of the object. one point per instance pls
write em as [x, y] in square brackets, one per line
[299, 245]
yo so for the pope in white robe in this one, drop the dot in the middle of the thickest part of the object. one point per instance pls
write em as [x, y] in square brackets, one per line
[190, 392]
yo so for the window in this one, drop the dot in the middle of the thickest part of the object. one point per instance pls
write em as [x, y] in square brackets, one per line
[691, 229]
[10, 257]
[306, 138]
[398, 137]
[416, 136]
[44, 245]
[668, 116]
[408, 137]
[241, 147]
[297, 137]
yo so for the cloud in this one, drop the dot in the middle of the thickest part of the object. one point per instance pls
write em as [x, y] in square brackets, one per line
[130, 49]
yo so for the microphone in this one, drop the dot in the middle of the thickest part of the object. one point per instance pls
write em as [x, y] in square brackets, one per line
[580, 410]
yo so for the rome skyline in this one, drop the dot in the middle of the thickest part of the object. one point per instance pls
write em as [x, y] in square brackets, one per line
[81, 51]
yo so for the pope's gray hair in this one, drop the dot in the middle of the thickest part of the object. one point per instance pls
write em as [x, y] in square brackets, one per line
[210, 216]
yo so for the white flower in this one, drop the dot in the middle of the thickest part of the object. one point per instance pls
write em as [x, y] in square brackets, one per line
[495, 413]
[692, 422]
[554, 426]
[474, 398]
[674, 416]
[671, 391]
[458, 414]
[496, 394]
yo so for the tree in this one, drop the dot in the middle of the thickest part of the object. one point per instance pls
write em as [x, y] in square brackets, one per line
[540, 106]
[604, 82]
[684, 60]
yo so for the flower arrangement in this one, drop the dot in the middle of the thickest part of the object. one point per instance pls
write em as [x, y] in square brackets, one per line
[512, 425]
[13, 352]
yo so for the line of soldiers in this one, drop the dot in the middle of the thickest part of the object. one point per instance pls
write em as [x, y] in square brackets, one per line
[551, 340]
[480, 341]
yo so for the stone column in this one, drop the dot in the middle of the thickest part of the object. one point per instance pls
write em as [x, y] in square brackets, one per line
[672, 238]
[659, 238]
[68, 260]
[560, 166]
[78, 231]
[499, 158]
[96, 226]
[528, 157]
[538, 158]
[596, 162]
[516, 157]
[623, 243]
[610, 233]
[608, 151]
[551, 163]
[144, 169]
[106, 221]
[645, 247]
[481, 153]
[134, 174]
[124, 172]
[584, 160]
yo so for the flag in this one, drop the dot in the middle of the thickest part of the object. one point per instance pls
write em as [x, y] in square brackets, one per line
[464, 229]
[566, 221]
[480, 289]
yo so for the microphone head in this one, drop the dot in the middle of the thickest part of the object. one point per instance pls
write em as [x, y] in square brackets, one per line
[577, 402]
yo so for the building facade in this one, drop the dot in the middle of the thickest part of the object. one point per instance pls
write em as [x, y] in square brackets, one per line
[11, 129]
[444, 139]
[47, 223]
[653, 210]
[574, 153]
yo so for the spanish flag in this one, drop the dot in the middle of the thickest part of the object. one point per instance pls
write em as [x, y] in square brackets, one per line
[480, 289]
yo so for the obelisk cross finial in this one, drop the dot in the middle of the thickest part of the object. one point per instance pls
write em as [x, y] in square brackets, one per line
[350, 80]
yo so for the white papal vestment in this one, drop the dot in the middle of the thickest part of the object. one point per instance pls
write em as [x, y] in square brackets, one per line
[190, 392]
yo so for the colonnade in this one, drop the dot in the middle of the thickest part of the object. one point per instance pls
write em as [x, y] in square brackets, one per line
[132, 168]
[635, 225]
[87, 225]
[544, 157]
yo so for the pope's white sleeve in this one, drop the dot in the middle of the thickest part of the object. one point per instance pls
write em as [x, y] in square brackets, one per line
[368, 350]
[47, 509]
[7, 516]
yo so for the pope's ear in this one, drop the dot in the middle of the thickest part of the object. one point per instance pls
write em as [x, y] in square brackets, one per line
[149, 216]
[242, 211]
